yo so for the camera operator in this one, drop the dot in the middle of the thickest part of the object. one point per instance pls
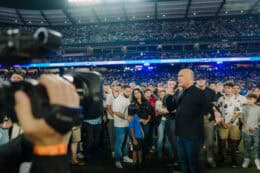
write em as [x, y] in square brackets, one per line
[40, 138]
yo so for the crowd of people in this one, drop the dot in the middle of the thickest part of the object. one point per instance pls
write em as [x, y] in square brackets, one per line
[222, 37]
[140, 118]
[156, 30]
[150, 30]
[147, 108]
[246, 77]
[228, 116]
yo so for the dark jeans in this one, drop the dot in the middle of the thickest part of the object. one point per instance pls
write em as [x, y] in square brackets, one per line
[92, 143]
[160, 140]
[111, 133]
[188, 151]
[152, 134]
[146, 129]
[209, 132]
[248, 140]
[170, 133]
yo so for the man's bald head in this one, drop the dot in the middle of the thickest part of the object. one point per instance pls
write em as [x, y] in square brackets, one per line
[186, 78]
[189, 73]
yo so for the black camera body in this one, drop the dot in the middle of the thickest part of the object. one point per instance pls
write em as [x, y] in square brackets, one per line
[89, 86]
[19, 47]
[32, 89]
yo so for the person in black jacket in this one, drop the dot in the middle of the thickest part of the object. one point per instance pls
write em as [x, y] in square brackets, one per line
[209, 119]
[190, 108]
[169, 102]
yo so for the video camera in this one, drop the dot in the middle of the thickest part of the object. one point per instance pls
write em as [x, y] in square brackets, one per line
[18, 47]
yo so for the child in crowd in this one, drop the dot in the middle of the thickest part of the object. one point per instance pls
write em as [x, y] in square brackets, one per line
[136, 133]
[251, 131]
[229, 130]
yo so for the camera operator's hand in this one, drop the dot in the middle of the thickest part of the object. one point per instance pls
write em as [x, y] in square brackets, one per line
[38, 131]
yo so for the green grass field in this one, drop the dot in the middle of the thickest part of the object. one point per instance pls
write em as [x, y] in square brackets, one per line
[154, 167]
[105, 164]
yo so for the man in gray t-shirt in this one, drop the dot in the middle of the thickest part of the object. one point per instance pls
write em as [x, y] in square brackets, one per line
[250, 119]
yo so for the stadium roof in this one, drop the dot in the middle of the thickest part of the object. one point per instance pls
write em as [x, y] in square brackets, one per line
[61, 12]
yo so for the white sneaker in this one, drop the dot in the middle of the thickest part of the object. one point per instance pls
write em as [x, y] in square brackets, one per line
[25, 167]
[119, 165]
[127, 159]
[257, 163]
[153, 149]
[113, 154]
[245, 163]
[211, 162]
[80, 156]
[176, 171]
